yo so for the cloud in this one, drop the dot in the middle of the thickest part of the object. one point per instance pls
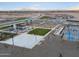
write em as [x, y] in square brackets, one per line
[73, 8]
[35, 5]
[28, 8]
[32, 7]
[40, 7]
[1, 8]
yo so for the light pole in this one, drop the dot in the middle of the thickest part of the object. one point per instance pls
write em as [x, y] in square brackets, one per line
[12, 43]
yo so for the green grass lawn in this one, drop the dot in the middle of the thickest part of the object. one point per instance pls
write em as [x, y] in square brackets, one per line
[45, 17]
[39, 31]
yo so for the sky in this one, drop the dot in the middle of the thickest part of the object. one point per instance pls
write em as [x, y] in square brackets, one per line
[39, 5]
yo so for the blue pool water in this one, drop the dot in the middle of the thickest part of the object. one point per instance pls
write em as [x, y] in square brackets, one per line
[71, 36]
[71, 33]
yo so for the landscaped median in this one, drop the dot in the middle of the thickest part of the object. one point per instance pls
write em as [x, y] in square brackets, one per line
[39, 31]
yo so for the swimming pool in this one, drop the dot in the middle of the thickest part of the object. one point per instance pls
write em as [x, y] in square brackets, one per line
[71, 34]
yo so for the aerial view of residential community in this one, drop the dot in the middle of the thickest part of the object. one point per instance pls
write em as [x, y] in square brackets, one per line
[35, 29]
